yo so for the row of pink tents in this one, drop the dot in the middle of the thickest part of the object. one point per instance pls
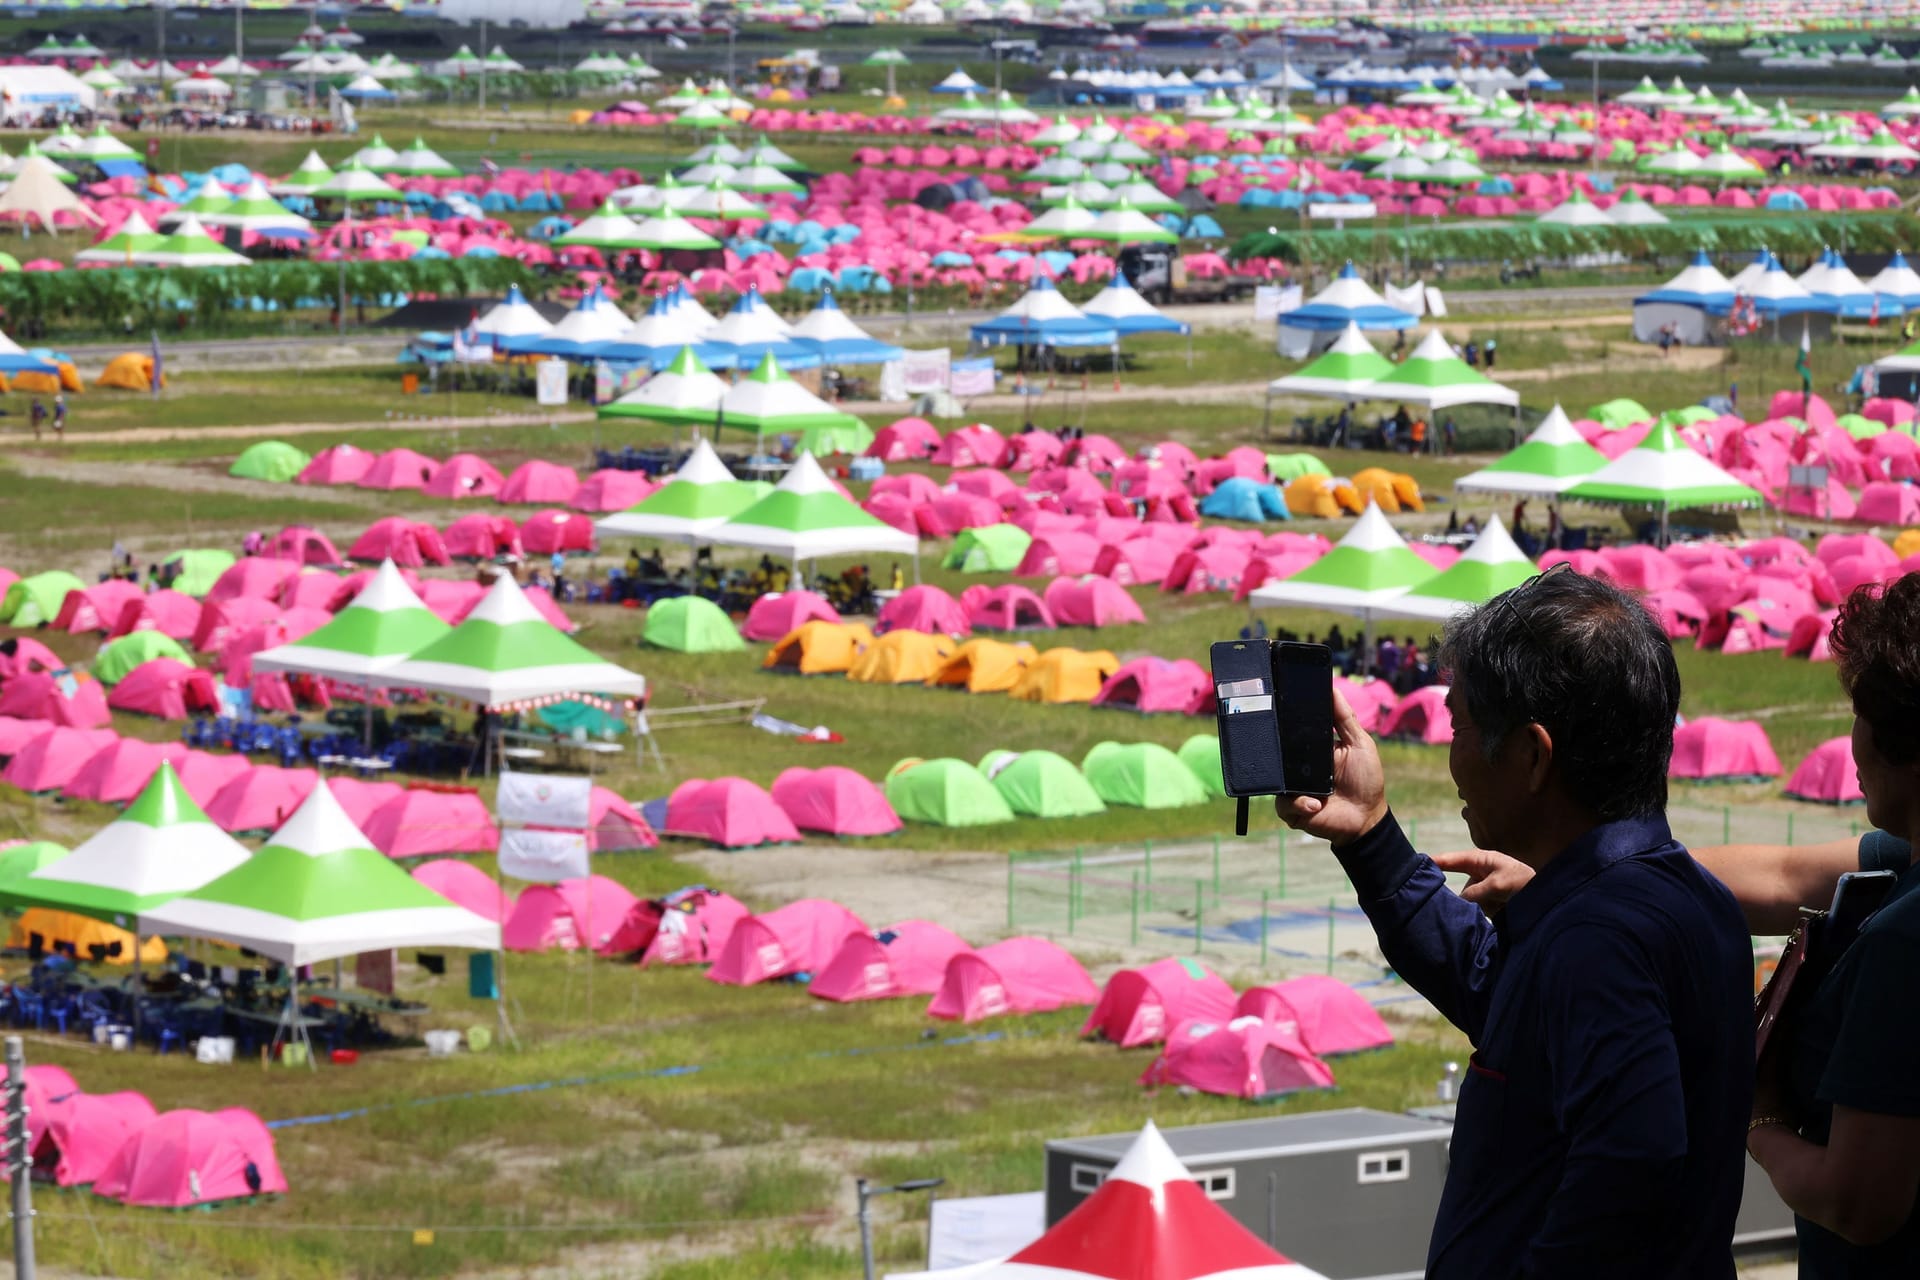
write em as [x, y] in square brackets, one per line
[467, 475]
[734, 813]
[117, 1144]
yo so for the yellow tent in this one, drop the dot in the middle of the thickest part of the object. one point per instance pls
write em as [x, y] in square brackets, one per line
[1394, 491]
[984, 666]
[53, 928]
[130, 372]
[1908, 543]
[818, 648]
[1312, 495]
[1064, 675]
[901, 657]
[46, 384]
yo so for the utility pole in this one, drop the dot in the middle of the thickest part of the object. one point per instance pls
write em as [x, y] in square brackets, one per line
[239, 35]
[160, 41]
[19, 1159]
[483, 66]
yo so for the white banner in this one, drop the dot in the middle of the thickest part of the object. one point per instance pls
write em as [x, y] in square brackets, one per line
[1266, 303]
[544, 800]
[893, 383]
[1436, 305]
[926, 371]
[975, 1229]
[550, 383]
[1409, 298]
[972, 377]
[545, 857]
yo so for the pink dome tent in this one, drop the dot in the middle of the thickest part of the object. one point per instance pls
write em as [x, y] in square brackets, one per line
[1886, 502]
[978, 445]
[482, 535]
[1722, 750]
[800, 937]
[342, 464]
[120, 770]
[1827, 775]
[304, 546]
[1153, 684]
[49, 1091]
[398, 469]
[540, 484]
[835, 800]
[421, 821]
[464, 885]
[464, 475]
[1140, 1006]
[1009, 608]
[1244, 1058]
[730, 812]
[689, 927]
[613, 824]
[39, 696]
[222, 621]
[777, 613]
[1059, 554]
[546, 532]
[165, 688]
[611, 489]
[48, 762]
[1329, 1016]
[1091, 602]
[82, 1137]
[908, 439]
[1139, 561]
[186, 1158]
[169, 612]
[1020, 975]
[1811, 637]
[24, 655]
[95, 608]
[359, 797]
[15, 734]
[923, 608]
[1421, 716]
[566, 916]
[409, 544]
[203, 773]
[261, 799]
[906, 959]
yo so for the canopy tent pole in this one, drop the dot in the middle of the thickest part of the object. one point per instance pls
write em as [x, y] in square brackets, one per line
[916, 564]
[1189, 348]
[500, 967]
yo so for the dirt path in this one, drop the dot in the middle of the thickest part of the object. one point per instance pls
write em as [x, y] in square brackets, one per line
[139, 435]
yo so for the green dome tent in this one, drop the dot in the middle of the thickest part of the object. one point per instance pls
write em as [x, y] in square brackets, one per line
[1291, 466]
[1615, 414]
[1201, 753]
[197, 570]
[944, 793]
[1141, 775]
[690, 624]
[35, 601]
[271, 460]
[994, 548]
[119, 657]
[1041, 784]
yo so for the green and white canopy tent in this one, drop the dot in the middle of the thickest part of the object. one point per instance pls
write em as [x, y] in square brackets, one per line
[1493, 564]
[253, 209]
[1341, 372]
[161, 846]
[702, 495]
[505, 653]
[769, 400]
[606, 228]
[422, 161]
[378, 629]
[190, 245]
[1364, 572]
[1663, 473]
[685, 391]
[319, 890]
[668, 230]
[355, 183]
[135, 236]
[1548, 462]
[312, 174]
[1436, 378]
[807, 518]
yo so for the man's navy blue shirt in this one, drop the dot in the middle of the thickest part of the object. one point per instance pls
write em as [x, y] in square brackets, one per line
[1601, 1123]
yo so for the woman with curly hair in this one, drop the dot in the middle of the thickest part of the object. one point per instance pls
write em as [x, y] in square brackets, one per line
[1836, 1122]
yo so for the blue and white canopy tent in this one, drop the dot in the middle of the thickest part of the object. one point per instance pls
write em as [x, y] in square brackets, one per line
[1043, 317]
[1121, 305]
[836, 339]
[1683, 302]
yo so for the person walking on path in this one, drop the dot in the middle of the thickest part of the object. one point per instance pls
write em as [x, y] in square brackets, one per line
[60, 415]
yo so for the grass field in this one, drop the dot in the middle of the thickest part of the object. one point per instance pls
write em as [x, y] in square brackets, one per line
[660, 1126]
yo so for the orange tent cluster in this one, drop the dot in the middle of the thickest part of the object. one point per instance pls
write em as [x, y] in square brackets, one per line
[130, 372]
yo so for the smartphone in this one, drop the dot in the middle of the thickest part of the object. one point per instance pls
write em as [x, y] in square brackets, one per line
[1243, 683]
[1857, 895]
[1303, 688]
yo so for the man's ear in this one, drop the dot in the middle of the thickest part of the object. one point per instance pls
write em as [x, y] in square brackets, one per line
[1536, 756]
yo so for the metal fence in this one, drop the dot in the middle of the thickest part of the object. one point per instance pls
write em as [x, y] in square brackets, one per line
[1281, 903]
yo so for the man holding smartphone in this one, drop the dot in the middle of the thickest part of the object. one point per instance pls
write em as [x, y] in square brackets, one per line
[1601, 1125]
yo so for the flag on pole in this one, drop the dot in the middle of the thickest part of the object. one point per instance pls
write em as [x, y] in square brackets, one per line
[159, 378]
[1800, 362]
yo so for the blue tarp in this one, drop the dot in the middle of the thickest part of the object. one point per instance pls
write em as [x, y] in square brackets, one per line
[1241, 498]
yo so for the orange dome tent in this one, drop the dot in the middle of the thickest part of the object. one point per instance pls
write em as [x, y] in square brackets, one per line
[818, 648]
[46, 384]
[130, 372]
[1395, 492]
[1064, 675]
[53, 928]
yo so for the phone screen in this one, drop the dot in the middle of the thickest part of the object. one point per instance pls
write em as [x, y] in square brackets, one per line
[1303, 682]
